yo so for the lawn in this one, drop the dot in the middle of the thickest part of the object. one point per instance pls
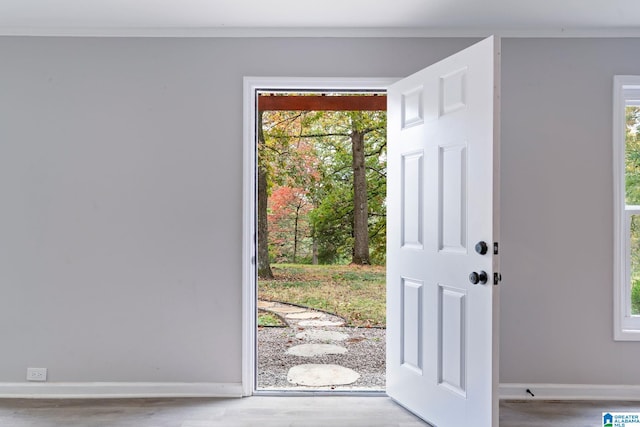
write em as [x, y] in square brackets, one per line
[356, 293]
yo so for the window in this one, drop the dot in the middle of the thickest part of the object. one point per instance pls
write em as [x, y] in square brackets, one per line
[626, 168]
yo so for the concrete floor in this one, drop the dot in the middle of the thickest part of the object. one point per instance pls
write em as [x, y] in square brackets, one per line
[263, 411]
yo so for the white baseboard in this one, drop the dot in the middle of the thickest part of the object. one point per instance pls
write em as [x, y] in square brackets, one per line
[117, 390]
[569, 392]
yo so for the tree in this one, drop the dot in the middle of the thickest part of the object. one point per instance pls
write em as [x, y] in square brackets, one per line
[264, 264]
[632, 184]
[338, 159]
[632, 156]
[289, 227]
[282, 160]
[352, 151]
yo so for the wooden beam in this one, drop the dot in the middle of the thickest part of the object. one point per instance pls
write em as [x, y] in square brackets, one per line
[322, 103]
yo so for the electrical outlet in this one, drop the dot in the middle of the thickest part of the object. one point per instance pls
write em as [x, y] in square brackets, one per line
[36, 374]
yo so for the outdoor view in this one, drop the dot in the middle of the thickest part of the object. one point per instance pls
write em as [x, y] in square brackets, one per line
[321, 247]
[632, 158]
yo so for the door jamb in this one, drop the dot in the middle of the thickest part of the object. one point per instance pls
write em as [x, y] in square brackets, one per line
[249, 196]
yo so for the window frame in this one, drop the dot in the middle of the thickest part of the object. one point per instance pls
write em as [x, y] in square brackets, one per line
[626, 91]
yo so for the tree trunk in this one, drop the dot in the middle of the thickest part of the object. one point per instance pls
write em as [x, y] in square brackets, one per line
[314, 247]
[264, 265]
[314, 261]
[295, 234]
[360, 207]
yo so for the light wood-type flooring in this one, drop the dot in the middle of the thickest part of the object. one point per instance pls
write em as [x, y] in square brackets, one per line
[268, 411]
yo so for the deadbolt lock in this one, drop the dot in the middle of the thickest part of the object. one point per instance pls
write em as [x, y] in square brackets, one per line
[482, 248]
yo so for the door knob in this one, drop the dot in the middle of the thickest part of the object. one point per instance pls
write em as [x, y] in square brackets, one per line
[476, 278]
[482, 248]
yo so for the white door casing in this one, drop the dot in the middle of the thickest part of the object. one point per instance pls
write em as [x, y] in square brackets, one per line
[249, 238]
[443, 198]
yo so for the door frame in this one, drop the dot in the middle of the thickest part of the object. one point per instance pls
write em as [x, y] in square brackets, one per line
[249, 194]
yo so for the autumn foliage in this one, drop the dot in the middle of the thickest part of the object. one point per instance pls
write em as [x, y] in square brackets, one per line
[316, 185]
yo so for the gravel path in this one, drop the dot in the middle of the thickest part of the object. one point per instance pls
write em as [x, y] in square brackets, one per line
[365, 355]
[365, 349]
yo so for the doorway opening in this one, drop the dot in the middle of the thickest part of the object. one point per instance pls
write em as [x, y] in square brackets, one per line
[319, 298]
[321, 180]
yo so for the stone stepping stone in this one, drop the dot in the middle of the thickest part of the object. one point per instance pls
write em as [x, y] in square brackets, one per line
[266, 304]
[288, 309]
[314, 323]
[310, 350]
[305, 315]
[320, 335]
[321, 375]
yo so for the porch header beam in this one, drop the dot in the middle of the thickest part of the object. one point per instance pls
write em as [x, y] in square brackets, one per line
[322, 103]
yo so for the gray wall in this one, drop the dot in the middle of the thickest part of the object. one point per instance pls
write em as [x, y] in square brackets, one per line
[120, 179]
[121, 186]
[557, 222]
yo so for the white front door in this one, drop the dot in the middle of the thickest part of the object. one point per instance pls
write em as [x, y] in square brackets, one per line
[443, 182]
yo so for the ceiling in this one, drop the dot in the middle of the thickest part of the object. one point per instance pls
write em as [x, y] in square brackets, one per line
[321, 17]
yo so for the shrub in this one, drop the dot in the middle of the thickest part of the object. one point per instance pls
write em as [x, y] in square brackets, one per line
[635, 298]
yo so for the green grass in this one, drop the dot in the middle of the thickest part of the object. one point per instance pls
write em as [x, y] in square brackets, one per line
[356, 293]
[269, 319]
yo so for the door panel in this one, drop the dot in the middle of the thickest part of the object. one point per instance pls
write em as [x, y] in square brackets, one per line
[442, 200]
[452, 218]
[412, 333]
[451, 330]
[412, 200]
